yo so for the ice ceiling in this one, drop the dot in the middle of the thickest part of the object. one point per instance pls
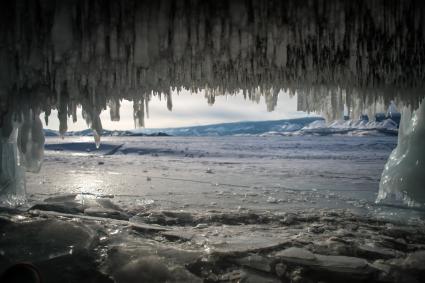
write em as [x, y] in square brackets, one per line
[64, 53]
[58, 54]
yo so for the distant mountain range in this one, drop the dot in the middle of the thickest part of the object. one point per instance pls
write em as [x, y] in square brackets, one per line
[223, 129]
[289, 127]
[105, 133]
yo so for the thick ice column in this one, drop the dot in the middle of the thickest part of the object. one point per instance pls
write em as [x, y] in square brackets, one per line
[403, 179]
[21, 149]
[12, 172]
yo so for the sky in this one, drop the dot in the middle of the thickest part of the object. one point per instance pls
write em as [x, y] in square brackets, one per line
[191, 110]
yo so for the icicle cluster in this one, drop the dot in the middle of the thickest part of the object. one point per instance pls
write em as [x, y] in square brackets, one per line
[72, 52]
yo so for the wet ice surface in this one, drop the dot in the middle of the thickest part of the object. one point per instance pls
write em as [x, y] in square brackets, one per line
[272, 173]
[238, 209]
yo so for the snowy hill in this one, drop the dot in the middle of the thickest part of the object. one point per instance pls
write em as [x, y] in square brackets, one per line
[289, 127]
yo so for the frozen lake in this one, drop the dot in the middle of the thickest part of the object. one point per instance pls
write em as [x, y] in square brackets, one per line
[261, 173]
[213, 209]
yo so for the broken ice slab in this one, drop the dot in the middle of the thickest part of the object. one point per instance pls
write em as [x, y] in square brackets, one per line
[106, 213]
[230, 240]
[248, 276]
[44, 239]
[80, 266]
[337, 265]
[255, 261]
[152, 269]
[144, 260]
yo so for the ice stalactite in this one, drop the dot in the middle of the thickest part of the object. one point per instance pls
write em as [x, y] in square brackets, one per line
[331, 106]
[110, 50]
[114, 109]
[403, 179]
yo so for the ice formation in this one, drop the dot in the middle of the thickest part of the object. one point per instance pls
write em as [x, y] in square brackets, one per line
[65, 53]
[12, 178]
[403, 178]
[61, 54]
[21, 148]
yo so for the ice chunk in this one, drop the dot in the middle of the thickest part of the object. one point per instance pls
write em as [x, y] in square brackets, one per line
[403, 178]
[44, 239]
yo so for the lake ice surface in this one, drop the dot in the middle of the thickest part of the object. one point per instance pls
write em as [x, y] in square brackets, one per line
[261, 173]
[213, 209]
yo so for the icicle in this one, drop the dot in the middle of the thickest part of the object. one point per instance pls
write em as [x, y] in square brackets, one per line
[180, 38]
[141, 49]
[169, 101]
[139, 113]
[62, 34]
[114, 109]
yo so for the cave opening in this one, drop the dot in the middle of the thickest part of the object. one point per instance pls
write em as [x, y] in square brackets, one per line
[334, 191]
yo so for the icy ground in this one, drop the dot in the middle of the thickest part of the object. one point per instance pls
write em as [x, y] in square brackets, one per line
[266, 173]
[214, 209]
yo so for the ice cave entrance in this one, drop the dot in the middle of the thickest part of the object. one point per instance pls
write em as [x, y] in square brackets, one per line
[334, 196]
[332, 54]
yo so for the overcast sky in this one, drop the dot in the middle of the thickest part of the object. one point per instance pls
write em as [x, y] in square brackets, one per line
[190, 110]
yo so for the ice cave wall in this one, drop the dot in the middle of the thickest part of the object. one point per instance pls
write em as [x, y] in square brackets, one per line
[64, 53]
